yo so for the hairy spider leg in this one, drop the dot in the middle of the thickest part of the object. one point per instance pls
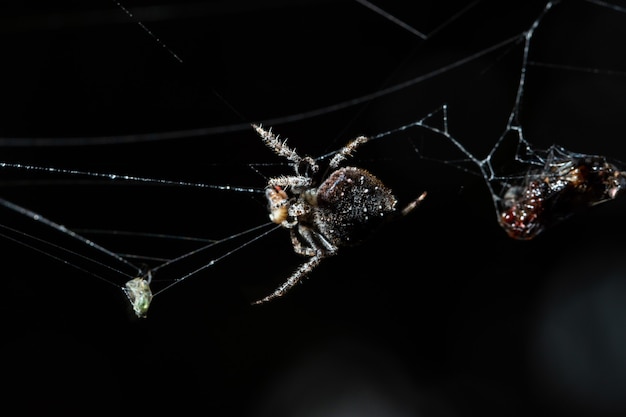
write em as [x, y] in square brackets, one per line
[296, 277]
[281, 148]
[290, 181]
[318, 248]
[316, 242]
[346, 151]
[413, 204]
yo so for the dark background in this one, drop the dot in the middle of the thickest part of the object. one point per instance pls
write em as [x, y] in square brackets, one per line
[438, 314]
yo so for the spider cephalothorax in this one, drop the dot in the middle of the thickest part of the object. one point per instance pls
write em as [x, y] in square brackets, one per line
[341, 211]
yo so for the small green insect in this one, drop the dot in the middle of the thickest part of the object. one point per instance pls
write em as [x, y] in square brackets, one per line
[139, 293]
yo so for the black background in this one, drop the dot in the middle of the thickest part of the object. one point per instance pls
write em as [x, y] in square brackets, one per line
[439, 314]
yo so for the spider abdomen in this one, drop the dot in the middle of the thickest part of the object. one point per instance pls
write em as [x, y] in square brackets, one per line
[351, 202]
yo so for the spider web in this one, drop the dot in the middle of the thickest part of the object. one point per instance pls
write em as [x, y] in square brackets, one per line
[450, 87]
[445, 115]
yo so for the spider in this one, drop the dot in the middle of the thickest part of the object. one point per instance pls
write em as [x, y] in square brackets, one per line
[348, 204]
[567, 183]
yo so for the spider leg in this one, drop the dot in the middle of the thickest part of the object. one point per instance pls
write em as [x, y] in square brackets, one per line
[315, 246]
[298, 247]
[313, 242]
[346, 151]
[295, 181]
[413, 204]
[279, 147]
[295, 278]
